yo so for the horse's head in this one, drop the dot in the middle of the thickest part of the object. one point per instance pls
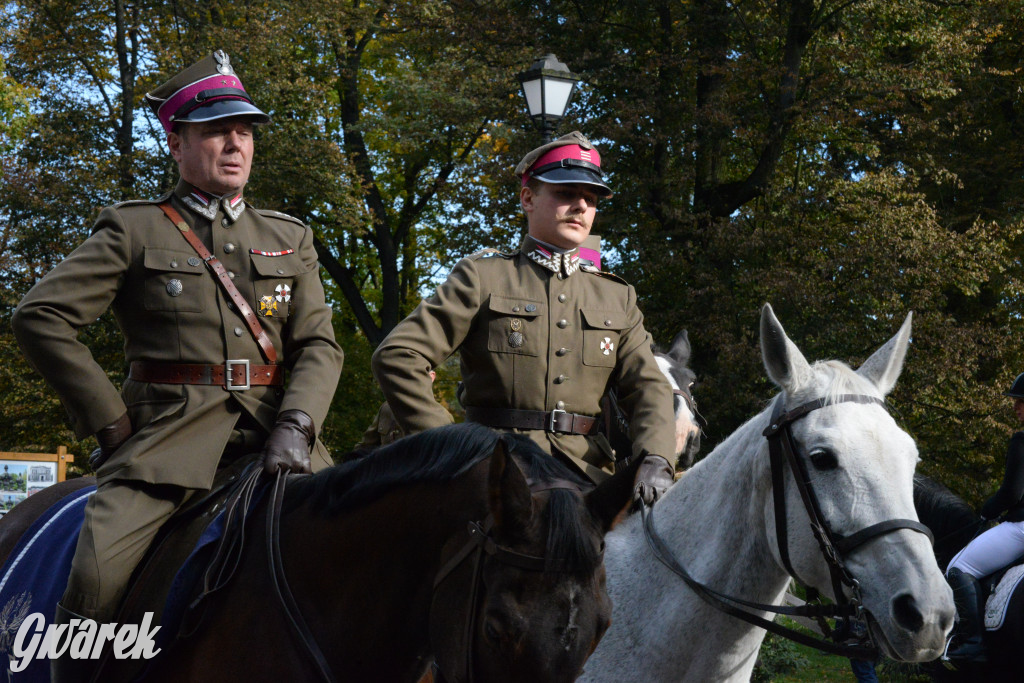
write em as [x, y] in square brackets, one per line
[674, 364]
[860, 466]
[541, 603]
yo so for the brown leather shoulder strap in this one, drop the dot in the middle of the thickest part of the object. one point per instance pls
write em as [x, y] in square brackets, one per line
[257, 331]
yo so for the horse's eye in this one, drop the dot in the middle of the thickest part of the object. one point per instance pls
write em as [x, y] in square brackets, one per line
[824, 459]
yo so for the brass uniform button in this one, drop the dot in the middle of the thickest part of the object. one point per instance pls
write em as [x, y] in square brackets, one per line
[560, 405]
[228, 248]
[562, 351]
[239, 331]
[562, 298]
[563, 323]
[225, 222]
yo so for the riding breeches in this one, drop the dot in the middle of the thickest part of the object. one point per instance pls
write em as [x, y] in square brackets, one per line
[121, 520]
[991, 551]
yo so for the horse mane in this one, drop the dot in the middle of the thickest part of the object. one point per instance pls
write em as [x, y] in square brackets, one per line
[441, 455]
[951, 520]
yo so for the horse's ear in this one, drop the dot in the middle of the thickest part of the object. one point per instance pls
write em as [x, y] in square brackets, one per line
[509, 494]
[786, 366]
[680, 349]
[613, 494]
[884, 366]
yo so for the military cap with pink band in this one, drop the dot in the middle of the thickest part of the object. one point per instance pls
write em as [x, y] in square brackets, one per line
[208, 90]
[569, 159]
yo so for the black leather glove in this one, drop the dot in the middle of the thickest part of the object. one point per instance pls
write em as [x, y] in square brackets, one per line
[653, 478]
[288, 446]
[110, 438]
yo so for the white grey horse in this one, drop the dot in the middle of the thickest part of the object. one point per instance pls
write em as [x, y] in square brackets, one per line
[719, 522]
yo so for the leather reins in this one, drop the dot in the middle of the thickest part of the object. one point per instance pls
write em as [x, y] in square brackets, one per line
[474, 550]
[833, 546]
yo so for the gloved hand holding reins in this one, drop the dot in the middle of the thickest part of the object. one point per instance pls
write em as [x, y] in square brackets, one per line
[653, 478]
[289, 444]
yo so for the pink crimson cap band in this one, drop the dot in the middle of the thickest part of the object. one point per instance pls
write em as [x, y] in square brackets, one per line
[216, 88]
[556, 155]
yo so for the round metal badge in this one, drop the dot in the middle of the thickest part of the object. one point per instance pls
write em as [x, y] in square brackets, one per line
[174, 287]
[194, 261]
[515, 340]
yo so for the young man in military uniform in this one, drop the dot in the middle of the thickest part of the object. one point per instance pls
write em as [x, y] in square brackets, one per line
[207, 366]
[541, 335]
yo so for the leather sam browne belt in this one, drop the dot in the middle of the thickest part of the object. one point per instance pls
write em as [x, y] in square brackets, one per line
[233, 375]
[556, 421]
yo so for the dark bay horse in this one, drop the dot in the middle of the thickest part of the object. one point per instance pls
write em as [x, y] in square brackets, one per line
[954, 524]
[458, 543]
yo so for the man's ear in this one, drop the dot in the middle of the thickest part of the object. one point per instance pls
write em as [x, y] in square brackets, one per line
[174, 144]
[526, 198]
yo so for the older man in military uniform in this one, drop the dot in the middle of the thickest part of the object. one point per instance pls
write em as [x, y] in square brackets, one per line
[217, 301]
[541, 334]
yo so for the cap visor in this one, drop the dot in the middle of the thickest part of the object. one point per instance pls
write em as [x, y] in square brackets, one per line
[581, 176]
[223, 109]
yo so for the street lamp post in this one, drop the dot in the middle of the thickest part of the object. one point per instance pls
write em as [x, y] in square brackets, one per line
[548, 86]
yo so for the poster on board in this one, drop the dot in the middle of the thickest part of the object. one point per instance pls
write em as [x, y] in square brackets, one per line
[19, 479]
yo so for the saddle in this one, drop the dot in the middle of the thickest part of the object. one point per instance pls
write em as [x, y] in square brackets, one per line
[169, 581]
[999, 588]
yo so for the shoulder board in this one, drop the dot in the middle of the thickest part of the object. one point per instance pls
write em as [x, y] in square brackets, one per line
[601, 273]
[269, 213]
[143, 202]
[490, 252]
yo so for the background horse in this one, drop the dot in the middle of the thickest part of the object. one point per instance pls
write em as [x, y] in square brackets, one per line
[674, 364]
[955, 524]
[371, 551]
[719, 520]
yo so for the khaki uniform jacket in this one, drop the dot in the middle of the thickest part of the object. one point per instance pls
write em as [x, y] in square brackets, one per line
[134, 261]
[383, 430]
[581, 332]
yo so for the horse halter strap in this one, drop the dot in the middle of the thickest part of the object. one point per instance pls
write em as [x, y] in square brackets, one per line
[834, 546]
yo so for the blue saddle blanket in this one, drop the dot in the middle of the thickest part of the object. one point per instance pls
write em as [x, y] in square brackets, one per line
[36, 572]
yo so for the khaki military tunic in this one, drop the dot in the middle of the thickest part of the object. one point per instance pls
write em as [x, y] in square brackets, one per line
[383, 430]
[535, 331]
[171, 309]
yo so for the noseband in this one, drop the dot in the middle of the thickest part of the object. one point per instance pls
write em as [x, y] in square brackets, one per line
[473, 550]
[834, 546]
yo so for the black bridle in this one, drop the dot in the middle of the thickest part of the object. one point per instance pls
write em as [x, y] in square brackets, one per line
[833, 546]
[691, 403]
[481, 544]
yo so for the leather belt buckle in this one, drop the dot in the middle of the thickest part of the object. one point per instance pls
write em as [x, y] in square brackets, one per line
[551, 421]
[228, 382]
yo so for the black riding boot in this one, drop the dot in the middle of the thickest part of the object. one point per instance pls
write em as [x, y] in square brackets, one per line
[65, 669]
[970, 606]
